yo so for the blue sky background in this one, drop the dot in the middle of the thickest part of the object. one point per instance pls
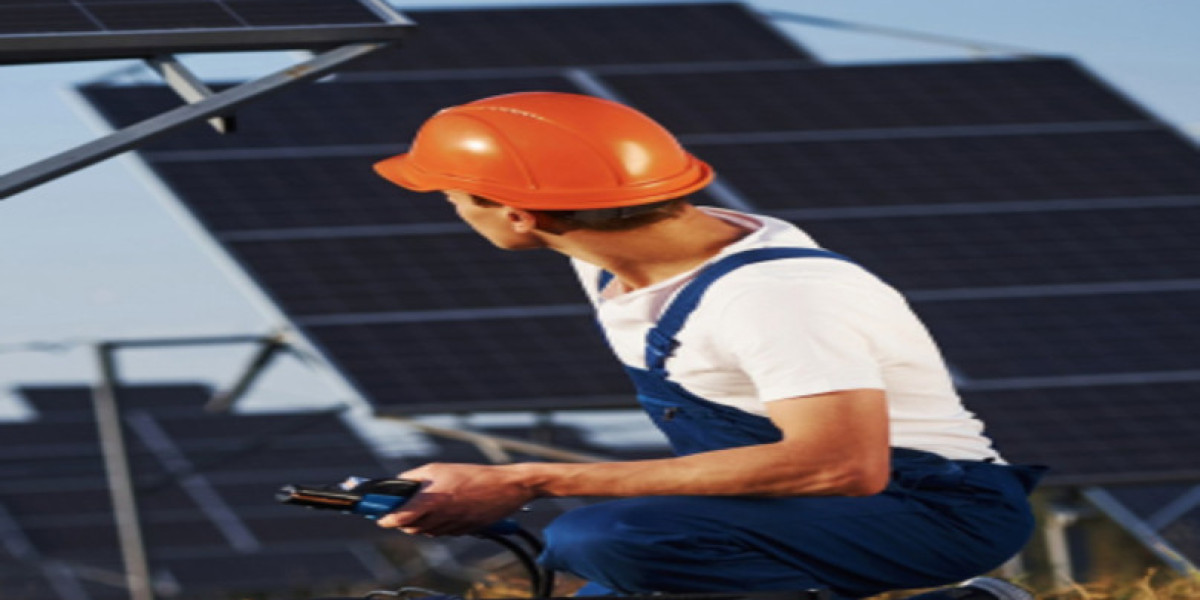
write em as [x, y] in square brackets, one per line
[99, 255]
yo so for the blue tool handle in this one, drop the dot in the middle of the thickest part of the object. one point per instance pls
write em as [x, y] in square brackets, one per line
[373, 506]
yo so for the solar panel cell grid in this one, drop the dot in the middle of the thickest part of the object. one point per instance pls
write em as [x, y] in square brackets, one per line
[585, 35]
[396, 273]
[1068, 335]
[101, 29]
[189, 529]
[1125, 429]
[283, 570]
[143, 15]
[56, 503]
[863, 97]
[80, 541]
[1021, 249]
[309, 525]
[288, 193]
[199, 14]
[28, 17]
[275, 13]
[885, 172]
[549, 359]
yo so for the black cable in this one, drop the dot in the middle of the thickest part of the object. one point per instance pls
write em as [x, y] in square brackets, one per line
[535, 574]
[547, 575]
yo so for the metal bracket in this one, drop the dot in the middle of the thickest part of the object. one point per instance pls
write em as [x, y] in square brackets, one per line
[269, 348]
[1147, 535]
[189, 87]
[114, 450]
[219, 103]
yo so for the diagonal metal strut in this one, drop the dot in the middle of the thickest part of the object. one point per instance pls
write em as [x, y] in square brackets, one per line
[204, 108]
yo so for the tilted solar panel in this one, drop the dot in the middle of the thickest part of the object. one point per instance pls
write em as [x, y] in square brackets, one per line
[611, 34]
[1037, 218]
[1127, 429]
[810, 99]
[1141, 331]
[529, 360]
[51, 30]
[951, 171]
[214, 526]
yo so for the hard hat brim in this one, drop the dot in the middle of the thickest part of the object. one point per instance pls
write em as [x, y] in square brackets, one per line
[698, 174]
[393, 170]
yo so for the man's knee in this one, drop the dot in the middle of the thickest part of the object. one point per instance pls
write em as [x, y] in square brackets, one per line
[607, 531]
[621, 544]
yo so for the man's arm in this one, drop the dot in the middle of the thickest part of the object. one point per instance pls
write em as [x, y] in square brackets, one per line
[833, 444]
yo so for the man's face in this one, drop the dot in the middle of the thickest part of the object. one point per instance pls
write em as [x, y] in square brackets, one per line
[501, 225]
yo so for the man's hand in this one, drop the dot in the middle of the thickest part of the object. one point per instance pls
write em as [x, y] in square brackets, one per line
[458, 499]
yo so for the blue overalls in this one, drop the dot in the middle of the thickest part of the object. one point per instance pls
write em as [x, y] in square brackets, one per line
[939, 521]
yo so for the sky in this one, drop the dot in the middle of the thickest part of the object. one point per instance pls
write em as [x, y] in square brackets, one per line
[100, 255]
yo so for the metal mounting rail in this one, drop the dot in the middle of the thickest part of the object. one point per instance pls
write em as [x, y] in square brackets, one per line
[213, 105]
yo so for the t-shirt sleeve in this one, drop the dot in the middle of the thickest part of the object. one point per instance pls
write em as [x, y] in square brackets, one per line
[799, 339]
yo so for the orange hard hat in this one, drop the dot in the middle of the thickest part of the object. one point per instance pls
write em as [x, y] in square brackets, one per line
[548, 151]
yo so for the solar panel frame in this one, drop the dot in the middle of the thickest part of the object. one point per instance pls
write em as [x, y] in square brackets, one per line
[86, 36]
[226, 451]
[1060, 158]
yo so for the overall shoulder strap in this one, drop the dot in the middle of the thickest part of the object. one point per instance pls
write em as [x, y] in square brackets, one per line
[602, 279]
[660, 340]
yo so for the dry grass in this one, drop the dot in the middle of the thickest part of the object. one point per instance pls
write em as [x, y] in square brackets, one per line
[1153, 585]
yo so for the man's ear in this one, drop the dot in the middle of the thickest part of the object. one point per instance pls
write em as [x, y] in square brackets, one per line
[521, 221]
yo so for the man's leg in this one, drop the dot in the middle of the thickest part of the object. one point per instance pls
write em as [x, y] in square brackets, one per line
[854, 546]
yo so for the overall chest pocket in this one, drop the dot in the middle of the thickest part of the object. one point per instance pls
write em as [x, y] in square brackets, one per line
[698, 426]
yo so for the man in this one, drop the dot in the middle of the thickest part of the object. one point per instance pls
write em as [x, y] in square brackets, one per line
[820, 441]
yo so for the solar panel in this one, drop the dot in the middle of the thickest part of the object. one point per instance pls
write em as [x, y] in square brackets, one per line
[975, 170]
[1128, 429]
[1038, 219]
[1041, 335]
[1116, 245]
[40, 30]
[233, 536]
[585, 36]
[531, 361]
[812, 98]
[216, 529]
[434, 273]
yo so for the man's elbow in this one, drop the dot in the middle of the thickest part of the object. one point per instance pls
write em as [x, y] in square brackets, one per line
[865, 478]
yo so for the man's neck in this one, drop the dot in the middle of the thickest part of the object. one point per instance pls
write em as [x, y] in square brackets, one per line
[656, 252]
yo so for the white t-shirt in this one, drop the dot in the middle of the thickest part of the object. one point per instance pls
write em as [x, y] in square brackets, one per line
[797, 327]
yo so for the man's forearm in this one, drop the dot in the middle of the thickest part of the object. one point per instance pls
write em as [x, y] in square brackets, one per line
[779, 469]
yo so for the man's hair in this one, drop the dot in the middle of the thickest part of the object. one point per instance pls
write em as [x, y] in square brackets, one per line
[621, 218]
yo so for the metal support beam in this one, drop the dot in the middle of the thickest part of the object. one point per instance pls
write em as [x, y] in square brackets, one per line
[120, 476]
[496, 448]
[268, 350]
[980, 48]
[218, 104]
[1110, 506]
[189, 87]
[1058, 551]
